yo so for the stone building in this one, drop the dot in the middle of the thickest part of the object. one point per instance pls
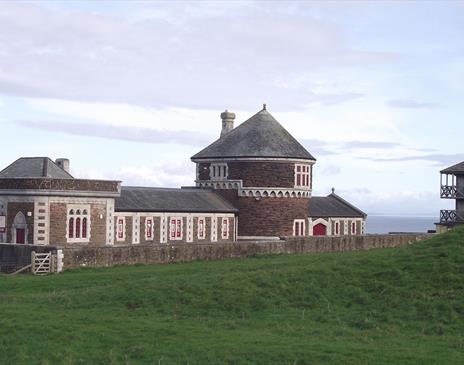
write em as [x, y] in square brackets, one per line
[452, 187]
[254, 182]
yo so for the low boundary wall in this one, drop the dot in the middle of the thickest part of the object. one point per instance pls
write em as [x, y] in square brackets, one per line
[15, 256]
[86, 256]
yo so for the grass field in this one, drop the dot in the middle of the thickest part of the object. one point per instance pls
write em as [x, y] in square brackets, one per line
[390, 306]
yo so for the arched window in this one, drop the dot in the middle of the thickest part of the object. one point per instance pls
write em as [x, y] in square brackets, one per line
[71, 227]
[78, 228]
[84, 227]
[79, 223]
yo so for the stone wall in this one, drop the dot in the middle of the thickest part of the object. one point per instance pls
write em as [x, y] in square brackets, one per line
[170, 253]
[14, 257]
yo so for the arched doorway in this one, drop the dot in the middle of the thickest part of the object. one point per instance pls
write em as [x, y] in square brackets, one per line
[19, 229]
[319, 230]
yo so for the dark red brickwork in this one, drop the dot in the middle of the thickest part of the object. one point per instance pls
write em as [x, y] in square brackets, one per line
[58, 216]
[97, 225]
[263, 174]
[257, 174]
[15, 208]
[58, 222]
[270, 216]
[60, 184]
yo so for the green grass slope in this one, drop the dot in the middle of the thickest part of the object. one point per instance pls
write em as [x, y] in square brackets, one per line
[390, 306]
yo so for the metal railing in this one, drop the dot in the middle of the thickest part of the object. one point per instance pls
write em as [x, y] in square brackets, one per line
[451, 216]
[450, 192]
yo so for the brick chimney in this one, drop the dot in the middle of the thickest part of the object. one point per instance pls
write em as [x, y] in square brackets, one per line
[63, 163]
[227, 122]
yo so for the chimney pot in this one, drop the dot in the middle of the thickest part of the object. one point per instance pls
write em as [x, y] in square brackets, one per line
[227, 122]
[63, 163]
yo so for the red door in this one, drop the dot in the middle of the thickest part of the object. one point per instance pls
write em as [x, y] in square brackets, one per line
[20, 235]
[319, 230]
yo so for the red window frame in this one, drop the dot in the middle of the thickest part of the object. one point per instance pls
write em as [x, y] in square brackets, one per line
[149, 228]
[175, 229]
[121, 228]
[225, 228]
[353, 227]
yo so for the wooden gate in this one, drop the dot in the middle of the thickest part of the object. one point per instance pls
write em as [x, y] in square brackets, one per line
[42, 263]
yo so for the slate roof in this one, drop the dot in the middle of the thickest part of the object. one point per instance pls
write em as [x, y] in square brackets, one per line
[34, 167]
[455, 169]
[142, 199]
[259, 136]
[333, 206]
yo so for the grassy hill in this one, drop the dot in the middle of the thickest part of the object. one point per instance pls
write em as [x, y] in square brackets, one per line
[390, 306]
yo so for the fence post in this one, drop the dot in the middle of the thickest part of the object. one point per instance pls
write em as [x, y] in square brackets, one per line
[33, 262]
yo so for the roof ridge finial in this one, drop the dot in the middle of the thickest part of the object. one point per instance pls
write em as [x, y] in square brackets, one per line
[264, 106]
[333, 190]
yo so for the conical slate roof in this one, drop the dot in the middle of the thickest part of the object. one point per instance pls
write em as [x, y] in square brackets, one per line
[259, 136]
[34, 167]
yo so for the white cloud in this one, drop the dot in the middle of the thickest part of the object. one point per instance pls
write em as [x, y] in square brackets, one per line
[89, 56]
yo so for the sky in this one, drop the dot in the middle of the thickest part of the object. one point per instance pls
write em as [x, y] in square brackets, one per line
[131, 90]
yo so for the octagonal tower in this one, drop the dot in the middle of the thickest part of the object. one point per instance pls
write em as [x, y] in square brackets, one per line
[264, 171]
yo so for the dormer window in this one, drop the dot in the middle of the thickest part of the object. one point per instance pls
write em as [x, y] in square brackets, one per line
[302, 178]
[218, 171]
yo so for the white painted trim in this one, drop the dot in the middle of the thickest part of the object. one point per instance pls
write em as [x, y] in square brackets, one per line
[299, 221]
[258, 238]
[323, 221]
[75, 208]
[214, 229]
[135, 229]
[254, 159]
[220, 166]
[176, 219]
[302, 175]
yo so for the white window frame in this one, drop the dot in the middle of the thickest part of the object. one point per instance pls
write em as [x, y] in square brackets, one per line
[123, 230]
[152, 229]
[218, 171]
[78, 208]
[225, 234]
[301, 227]
[203, 235]
[304, 174]
[178, 228]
